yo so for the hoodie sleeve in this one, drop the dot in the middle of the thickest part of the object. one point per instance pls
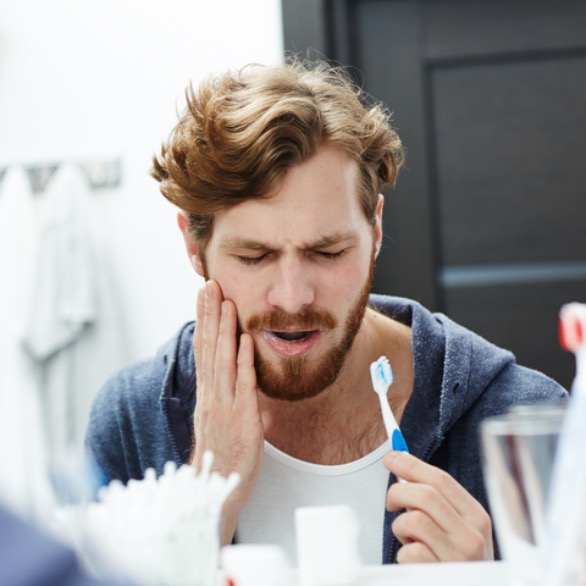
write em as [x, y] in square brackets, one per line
[127, 431]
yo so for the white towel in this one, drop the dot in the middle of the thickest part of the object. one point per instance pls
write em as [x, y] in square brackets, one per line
[65, 283]
[74, 334]
[24, 485]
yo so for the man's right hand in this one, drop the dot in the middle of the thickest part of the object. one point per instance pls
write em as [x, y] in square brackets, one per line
[227, 420]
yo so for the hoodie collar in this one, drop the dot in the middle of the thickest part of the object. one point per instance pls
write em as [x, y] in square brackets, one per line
[178, 393]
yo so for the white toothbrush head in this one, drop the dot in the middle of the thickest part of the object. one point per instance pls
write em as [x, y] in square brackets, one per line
[381, 375]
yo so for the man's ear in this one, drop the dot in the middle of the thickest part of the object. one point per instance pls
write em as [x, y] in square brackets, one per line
[191, 245]
[378, 224]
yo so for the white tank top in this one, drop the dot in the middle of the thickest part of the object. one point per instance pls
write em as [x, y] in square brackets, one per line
[286, 483]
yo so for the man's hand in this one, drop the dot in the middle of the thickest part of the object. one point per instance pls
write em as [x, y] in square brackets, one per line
[227, 419]
[443, 522]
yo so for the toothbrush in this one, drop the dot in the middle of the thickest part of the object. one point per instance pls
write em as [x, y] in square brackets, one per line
[381, 375]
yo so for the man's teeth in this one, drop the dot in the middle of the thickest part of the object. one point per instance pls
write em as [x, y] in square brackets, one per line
[292, 336]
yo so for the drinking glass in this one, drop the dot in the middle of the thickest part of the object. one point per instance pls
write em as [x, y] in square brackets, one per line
[519, 449]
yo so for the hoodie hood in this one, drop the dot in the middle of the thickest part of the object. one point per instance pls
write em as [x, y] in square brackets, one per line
[452, 365]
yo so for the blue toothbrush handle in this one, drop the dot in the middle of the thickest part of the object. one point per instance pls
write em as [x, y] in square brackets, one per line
[398, 442]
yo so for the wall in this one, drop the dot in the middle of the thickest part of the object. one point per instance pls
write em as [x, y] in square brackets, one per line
[100, 78]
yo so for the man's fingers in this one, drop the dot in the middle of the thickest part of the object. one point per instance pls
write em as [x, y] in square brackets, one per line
[453, 545]
[414, 525]
[416, 553]
[246, 380]
[198, 337]
[211, 328]
[413, 469]
[415, 496]
[225, 359]
[441, 514]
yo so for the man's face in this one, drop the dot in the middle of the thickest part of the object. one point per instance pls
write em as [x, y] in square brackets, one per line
[298, 266]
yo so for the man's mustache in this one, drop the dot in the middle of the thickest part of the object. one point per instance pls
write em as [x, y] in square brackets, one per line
[307, 319]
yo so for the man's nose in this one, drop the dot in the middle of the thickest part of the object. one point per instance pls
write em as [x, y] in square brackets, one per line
[292, 289]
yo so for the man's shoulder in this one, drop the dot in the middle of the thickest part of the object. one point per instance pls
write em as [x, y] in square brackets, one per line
[128, 424]
[144, 380]
[467, 359]
[128, 398]
[528, 385]
[133, 383]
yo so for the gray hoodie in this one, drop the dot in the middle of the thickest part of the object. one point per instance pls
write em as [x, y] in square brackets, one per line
[143, 416]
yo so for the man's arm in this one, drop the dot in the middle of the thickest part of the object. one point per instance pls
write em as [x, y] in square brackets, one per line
[442, 521]
[227, 420]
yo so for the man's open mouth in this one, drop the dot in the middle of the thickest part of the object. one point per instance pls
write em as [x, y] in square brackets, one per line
[292, 336]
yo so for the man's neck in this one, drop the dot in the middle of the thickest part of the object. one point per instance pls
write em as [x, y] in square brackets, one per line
[344, 422]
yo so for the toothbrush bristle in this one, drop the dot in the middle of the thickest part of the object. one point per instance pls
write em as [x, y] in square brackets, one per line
[382, 374]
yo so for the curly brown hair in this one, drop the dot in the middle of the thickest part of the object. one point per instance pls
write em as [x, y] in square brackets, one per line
[242, 131]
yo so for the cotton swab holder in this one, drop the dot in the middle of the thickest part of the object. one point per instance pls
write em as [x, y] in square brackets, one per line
[161, 531]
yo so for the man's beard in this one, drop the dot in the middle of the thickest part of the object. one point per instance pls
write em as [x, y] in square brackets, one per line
[296, 379]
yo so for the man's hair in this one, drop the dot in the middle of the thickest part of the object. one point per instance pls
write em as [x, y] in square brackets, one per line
[241, 131]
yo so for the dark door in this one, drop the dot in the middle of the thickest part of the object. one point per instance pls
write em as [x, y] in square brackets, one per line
[487, 221]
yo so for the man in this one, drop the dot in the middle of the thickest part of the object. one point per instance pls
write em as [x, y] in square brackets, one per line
[278, 173]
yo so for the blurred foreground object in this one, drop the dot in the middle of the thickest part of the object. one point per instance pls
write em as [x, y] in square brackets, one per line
[564, 564]
[28, 557]
[247, 564]
[157, 531]
[327, 545]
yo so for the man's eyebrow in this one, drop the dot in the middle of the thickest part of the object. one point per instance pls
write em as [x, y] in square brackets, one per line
[243, 243]
[322, 242]
[333, 239]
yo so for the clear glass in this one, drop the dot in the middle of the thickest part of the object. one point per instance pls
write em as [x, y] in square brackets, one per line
[519, 450]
